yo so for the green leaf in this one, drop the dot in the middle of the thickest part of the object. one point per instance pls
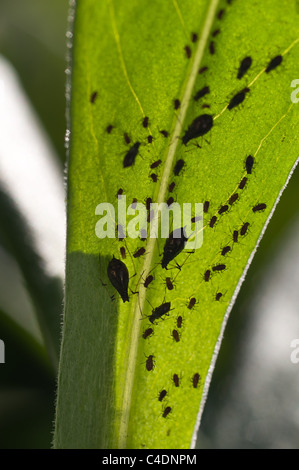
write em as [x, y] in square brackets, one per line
[130, 61]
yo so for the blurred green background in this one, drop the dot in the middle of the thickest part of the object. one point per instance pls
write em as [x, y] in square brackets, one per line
[33, 39]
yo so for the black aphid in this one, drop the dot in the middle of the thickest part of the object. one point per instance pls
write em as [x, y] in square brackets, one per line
[166, 411]
[149, 139]
[206, 206]
[203, 69]
[199, 127]
[150, 363]
[233, 198]
[238, 99]
[188, 51]
[196, 219]
[134, 203]
[275, 62]
[212, 48]
[177, 104]
[120, 192]
[162, 395]
[155, 164]
[249, 164]
[192, 302]
[145, 122]
[118, 275]
[131, 154]
[93, 97]
[176, 336]
[195, 380]
[201, 93]
[243, 183]
[244, 66]
[158, 312]
[178, 167]
[171, 187]
[170, 201]
[109, 129]
[164, 133]
[169, 284]
[154, 177]
[148, 280]
[219, 267]
[213, 221]
[207, 275]
[148, 203]
[127, 138]
[173, 246]
[147, 333]
[223, 209]
[179, 321]
[244, 228]
[139, 252]
[218, 296]
[220, 14]
[259, 207]
[194, 37]
[123, 252]
[215, 33]
[225, 250]
[176, 380]
[235, 236]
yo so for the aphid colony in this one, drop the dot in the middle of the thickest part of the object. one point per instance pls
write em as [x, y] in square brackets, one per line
[117, 271]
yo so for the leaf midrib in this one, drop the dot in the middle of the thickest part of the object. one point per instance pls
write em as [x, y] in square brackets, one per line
[138, 306]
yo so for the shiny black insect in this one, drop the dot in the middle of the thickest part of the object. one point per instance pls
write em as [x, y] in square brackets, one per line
[164, 133]
[200, 126]
[120, 192]
[118, 275]
[148, 203]
[175, 335]
[201, 93]
[131, 155]
[154, 177]
[195, 380]
[212, 48]
[215, 33]
[249, 164]
[259, 207]
[275, 62]
[235, 236]
[169, 283]
[219, 267]
[203, 69]
[147, 333]
[223, 209]
[244, 66]
[194, 37]
[155, 164]
[192, 302]
[139, 252]
[207, 275]
[177, 104]
[225, 250]
[178, 167]
[93, 97]
[158, 312]
[145, 122]
[171, 187]
[170, 201]
[218, 296]
[109, 129]
[148, 280]
[213, 221]
[127, 138]
[243, 183]
[150, 363]
[149, 139]
[123, 252]
[244, 228]
[179, 321]
[205, 106]
[195, 219]
[173, 246]
[206, 206]
[233, 198]
[238, 98]
[176, 380]
[220, 14]
[187, 51]
[166, 411]
[162, 395]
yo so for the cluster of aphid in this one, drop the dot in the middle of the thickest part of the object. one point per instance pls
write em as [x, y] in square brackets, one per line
[117, 271]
